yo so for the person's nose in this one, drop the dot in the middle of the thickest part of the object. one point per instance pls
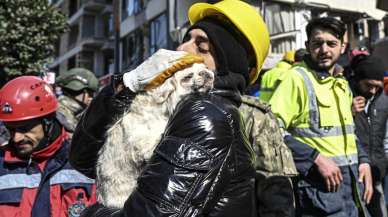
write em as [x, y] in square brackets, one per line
[374, 90]
[324, 48]
[186, 46]
[90, 99]
[17, 136]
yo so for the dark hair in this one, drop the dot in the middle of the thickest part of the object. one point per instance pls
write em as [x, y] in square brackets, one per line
[368, 67]
[299, 54]
[332, 25]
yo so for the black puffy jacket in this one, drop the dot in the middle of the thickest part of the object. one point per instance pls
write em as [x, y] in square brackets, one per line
[203, 166]
[371, 128]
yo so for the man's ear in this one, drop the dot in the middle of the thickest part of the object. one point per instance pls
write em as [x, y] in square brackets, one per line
[343, 47]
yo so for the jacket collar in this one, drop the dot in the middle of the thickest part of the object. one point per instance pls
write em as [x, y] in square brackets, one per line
[322, 74]
[233, 96]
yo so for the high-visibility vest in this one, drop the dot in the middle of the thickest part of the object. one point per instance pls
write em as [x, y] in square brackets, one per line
[271, 80]
[323, 120]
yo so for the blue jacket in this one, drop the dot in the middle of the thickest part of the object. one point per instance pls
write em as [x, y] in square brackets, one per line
[44, 186]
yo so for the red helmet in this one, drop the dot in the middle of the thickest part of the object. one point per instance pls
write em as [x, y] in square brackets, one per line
[25, 98]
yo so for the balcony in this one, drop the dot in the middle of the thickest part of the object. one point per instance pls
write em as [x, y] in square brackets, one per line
[94, 5]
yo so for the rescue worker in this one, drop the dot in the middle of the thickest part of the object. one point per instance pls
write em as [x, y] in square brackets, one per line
[214, 37]
[36, 179]
[78, 86]
[370, 107]
[313, 104]
[273, 77]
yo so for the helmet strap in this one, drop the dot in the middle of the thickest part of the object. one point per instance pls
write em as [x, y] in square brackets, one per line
[81, 102]
[51, 131]
[74, 95]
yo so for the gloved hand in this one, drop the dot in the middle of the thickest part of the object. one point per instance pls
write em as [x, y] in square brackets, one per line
[137, 79]
[104, 110]
[89, 135]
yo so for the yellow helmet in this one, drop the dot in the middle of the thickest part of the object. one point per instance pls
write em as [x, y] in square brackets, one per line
[289, 56]
[246, 19]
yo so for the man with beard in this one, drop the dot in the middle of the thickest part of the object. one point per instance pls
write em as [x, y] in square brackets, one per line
[313, 104]
[36, 179]
[370, 109]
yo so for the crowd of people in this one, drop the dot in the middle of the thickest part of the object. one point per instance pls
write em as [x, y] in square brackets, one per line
[312, 144]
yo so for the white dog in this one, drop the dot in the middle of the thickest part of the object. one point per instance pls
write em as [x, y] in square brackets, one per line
[131, 141]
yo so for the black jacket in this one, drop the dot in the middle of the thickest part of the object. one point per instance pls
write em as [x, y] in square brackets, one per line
[371, 129]
[203, 165]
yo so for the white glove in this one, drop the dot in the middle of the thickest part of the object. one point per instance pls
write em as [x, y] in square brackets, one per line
[140, 77]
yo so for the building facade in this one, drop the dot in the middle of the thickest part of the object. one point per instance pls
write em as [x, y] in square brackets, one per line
[287, 20]
[89, 41]
[163, 23]
[148, 25]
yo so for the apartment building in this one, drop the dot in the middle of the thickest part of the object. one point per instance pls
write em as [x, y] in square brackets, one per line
[148, 25]
[89, 42]
[161, 23]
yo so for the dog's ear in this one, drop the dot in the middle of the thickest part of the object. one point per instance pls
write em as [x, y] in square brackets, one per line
[162, 92]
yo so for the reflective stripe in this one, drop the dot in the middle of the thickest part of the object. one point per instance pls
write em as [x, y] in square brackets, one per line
[10, 181]
[69, 176]
[322, 132]
[315, 130]
[313, 105]
[345, 160]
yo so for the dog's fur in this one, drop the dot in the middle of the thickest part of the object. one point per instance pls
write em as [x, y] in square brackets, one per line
[131, 141]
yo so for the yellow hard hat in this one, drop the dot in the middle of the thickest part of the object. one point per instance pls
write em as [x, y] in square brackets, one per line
[245, 18]
[289, 56]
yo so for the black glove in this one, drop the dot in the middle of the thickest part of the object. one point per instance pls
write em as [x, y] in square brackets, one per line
[89, 135]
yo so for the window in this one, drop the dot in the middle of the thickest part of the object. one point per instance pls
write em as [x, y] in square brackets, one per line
[280, 20]
[132, 7]
[158, 33]
[132, 49]
[359, 28]
[88, 27]
[86, 60]
[73, 7]
[108, 25]
[71, 63]
[108, 64]
[374, 31]
[73, 36]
